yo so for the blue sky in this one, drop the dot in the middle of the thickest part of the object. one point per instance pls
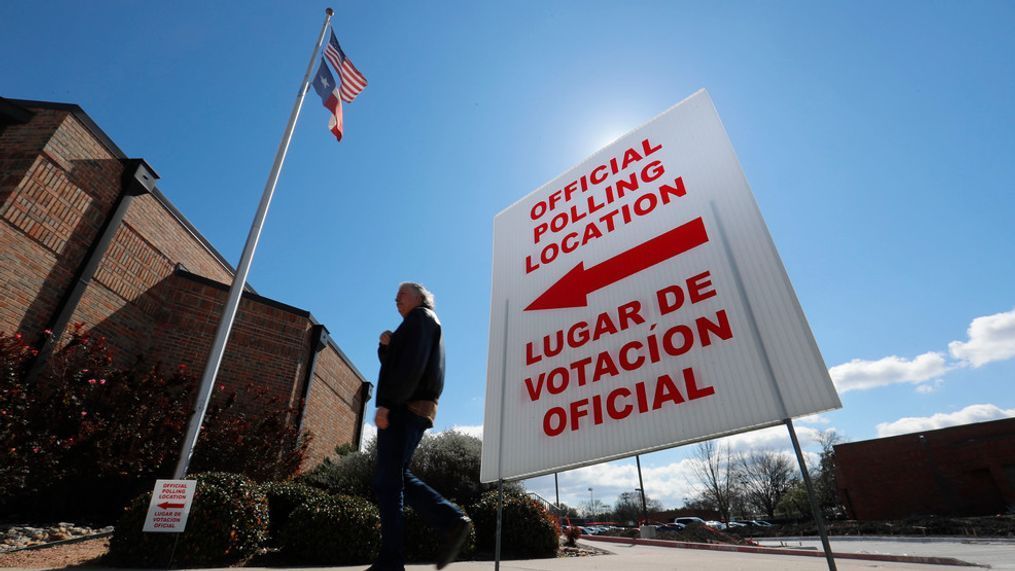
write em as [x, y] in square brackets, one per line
[877, 137]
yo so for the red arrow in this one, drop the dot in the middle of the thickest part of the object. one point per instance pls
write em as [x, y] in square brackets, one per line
[572, 290]
[167, 505]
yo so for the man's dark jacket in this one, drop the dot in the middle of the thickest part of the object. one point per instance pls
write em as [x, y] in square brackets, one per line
[412, 364]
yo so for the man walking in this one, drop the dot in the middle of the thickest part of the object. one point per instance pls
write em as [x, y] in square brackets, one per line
[408, 388]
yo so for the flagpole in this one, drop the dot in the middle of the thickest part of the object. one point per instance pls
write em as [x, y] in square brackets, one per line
[240, 278]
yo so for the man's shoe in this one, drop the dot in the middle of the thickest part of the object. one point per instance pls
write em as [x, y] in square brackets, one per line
[454, 538]
[382, 567]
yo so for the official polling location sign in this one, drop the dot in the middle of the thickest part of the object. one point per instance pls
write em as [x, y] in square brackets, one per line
[638, 304]
[170, 506]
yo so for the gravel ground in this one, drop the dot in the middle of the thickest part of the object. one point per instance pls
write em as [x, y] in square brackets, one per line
[65, 555]
[18, 536]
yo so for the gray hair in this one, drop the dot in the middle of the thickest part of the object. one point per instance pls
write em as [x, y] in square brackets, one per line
[426, 298]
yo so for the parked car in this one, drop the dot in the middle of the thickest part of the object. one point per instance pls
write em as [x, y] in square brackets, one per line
[670, 527]
[735, 524]
[715, 524]
[690, 520]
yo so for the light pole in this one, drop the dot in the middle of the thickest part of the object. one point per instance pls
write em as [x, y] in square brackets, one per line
[592, 505]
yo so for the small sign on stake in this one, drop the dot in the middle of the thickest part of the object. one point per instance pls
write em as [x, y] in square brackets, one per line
[170, 506]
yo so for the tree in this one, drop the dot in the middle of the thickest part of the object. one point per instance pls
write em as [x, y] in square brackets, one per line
[699, 503]
[628, 506]
[825, 483]
[794, 502]
[567, 511]
[764, 478]
[596, 509]
[715, 469]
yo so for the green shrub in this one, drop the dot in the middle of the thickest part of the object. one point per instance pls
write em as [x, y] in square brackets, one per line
[283, 498]
[340, 530]
[449, 462]
[350, 474]
[84, 422]
[422, 541]
[257, 439]
[572, 533]
[228, 520]
[528, 531]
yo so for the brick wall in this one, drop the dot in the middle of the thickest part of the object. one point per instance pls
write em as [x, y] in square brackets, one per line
[60, 180]
[269, 345]
[333, 405]
[963, 470]
[57, 186]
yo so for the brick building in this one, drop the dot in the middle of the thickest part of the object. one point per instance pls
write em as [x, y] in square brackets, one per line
[959, 471]
[86, 236]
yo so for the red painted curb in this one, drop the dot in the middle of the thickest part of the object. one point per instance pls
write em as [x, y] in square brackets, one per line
[780, 551]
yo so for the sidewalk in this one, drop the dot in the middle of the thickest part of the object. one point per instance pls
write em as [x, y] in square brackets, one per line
[998, 552]
[648, 558]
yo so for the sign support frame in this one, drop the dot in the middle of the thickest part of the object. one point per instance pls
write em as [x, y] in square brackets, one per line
[770, 374]
[641, 489]
[500, 441]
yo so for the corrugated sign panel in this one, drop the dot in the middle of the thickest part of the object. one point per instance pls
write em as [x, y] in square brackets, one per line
[639, 303]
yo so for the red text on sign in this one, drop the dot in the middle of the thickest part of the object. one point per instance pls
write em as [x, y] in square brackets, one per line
[621, 402]
[675, 341]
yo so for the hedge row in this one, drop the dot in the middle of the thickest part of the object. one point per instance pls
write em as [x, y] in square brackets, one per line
[232, 517]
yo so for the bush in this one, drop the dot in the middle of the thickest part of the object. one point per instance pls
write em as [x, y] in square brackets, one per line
[228, 520]
[572, 533]
[340, 530]
[283, 498]
[528, 530]
[350, 474]
[449, 462]
[260, 442]
[423, 541]
[82, 423]
[21, 446]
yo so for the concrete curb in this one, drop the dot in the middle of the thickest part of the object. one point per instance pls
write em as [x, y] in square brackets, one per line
[972, 539]
[781, 551]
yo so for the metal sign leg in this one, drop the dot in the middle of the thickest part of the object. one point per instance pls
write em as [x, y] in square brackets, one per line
[815, 508]
[500, 513]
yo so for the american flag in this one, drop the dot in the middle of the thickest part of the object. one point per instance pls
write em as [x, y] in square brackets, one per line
[351, 79]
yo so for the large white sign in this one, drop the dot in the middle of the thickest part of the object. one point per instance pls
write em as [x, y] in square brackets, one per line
[639, 303]
[170, 506]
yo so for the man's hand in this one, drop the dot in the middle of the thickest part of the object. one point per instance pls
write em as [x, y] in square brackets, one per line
[385, 338]
[381, 418]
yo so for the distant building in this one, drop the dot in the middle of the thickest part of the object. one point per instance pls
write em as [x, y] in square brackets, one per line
[85, 236]
[964, 470]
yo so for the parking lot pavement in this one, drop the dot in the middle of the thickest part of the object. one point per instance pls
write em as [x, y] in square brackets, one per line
[998, 553]
[647, 558]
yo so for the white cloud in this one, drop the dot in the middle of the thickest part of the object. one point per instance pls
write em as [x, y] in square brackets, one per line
[972, 413]
[859, 375]
[991, 338]
[815, 419]
[928, 388]
[476, 430]
[369, 433]
[670, 483]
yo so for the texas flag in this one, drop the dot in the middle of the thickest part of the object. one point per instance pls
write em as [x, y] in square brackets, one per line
[325, 86]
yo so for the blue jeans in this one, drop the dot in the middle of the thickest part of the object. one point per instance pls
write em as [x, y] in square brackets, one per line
[393, 481]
